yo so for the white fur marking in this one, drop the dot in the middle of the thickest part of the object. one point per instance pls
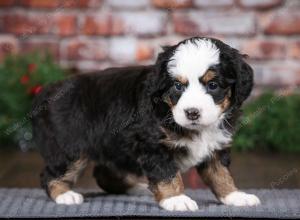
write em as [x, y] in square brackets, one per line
[192, 59]
[179, 203]
[195, 96]
[211, 138]
[240, 199]
[69, 198]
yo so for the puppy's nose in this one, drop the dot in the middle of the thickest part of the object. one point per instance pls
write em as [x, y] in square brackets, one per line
[192, 113]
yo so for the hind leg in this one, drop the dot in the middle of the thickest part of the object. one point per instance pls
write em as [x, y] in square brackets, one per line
[113, 181]
[59, 180]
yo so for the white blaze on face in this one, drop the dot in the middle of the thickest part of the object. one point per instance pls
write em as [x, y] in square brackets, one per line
[191, 60]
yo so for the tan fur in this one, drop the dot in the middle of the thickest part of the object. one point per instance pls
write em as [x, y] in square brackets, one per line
[169, 137]
[208, 76]
[57, 187]
[168, 101]
[217, 177]
[173, 187]
[182, 80]
[65, 183]
[225, 104]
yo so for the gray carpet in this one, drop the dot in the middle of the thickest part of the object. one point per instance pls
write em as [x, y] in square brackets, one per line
[29, 203]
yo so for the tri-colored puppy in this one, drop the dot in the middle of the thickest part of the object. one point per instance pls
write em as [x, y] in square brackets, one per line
[147, 121]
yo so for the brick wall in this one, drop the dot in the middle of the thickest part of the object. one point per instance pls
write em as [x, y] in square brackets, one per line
[94, 34]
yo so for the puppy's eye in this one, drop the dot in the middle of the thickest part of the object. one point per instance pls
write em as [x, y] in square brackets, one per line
[178, 86]
[212, 86]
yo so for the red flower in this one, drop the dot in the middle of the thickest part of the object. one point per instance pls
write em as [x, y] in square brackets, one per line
[24, 79]
[31, 67]
[35, 90]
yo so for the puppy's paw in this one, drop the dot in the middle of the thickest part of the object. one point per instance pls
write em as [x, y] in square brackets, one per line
[240, 199]
[179, 203]
[69, 198]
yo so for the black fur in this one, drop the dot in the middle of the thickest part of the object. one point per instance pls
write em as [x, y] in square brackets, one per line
[222, 155]
[114, 116]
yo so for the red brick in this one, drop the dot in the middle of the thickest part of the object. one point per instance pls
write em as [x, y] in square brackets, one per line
[2, 30]
[259, 4]
[40, 4]
[264, 49]
[297, 77]
[144, 23]
[83, 3]
[281, 23]
[66, 25]
[85, 49]
[129, 50]
[137, 23]
[8, 45]
[61, 3]
[85, 66]
[102, 25]
[184, 25]
[25, 25]
[276, 74]
[294, 50]
[235, 24]
[123, 50]
[172, 4]
[5, 3]
[144, 52]
[40, 45]
[215, 3]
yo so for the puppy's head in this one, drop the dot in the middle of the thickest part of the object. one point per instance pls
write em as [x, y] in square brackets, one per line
[200, 80]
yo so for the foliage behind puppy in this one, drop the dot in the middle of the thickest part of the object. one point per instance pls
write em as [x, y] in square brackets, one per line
[150, 122]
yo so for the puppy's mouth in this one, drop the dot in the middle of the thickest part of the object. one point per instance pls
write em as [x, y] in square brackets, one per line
[196, 125]
[193, 125]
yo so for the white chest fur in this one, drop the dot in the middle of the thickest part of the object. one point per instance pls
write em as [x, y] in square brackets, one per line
[202, 145]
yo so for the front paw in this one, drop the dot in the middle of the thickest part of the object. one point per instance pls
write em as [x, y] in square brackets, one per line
[179, 203]
[69, 198]
[240, 199]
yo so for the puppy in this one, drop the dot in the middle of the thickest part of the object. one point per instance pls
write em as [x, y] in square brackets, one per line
[152, 122]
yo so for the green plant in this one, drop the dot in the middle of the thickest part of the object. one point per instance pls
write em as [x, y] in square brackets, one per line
[270, 122]
[21, 78]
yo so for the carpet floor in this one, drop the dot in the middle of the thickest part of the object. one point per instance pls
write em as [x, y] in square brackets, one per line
[33, 203]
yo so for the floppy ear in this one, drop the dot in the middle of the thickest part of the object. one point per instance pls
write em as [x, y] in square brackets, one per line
[244, 82]
[238, 73]
[163, 59]
[161, 81]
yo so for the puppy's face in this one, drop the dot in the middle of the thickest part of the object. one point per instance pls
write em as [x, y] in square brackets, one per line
[203, 81]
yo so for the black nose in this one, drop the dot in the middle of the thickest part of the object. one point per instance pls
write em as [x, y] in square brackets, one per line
[192, 113]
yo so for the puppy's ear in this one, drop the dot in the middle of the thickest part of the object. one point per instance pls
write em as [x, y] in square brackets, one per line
[161, 80]
[244, 81]
[163, 59]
